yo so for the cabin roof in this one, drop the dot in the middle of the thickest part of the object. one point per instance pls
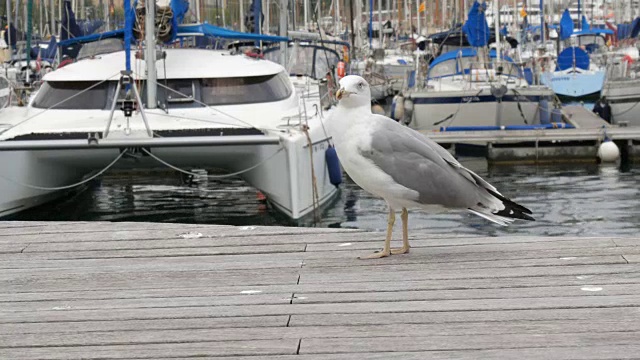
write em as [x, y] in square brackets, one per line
[180, 64]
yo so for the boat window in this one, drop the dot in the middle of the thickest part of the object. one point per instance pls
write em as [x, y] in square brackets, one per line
[444, 68]
[71, 95]
[244, 90]
[100, 47]
[325, 59]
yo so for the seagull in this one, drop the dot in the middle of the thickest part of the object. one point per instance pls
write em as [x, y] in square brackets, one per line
[405, 168]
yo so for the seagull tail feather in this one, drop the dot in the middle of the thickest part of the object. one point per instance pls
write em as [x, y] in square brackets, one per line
[501, 210]
[511, 209]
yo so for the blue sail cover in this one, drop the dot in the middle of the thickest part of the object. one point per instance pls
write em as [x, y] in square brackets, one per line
[572, 55]
[69, 28]
[179, 9]
[215, 31]
[476, 27]
[566, 25]
[635, 28]
[585, 23]
[93, 37]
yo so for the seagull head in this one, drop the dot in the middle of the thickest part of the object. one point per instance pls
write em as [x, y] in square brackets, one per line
[354, 92]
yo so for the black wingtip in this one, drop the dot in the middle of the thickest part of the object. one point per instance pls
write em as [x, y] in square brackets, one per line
[512, 209]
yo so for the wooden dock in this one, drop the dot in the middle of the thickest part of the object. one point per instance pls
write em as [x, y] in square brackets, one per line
[158, 291]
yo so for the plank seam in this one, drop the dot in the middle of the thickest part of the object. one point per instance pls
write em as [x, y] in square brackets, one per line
[24, 248]
[299, 344]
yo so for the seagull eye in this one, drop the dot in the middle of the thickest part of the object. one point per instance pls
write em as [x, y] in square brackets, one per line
[360, 86]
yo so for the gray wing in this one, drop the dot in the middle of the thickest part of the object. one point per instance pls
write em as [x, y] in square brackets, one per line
[418, 163]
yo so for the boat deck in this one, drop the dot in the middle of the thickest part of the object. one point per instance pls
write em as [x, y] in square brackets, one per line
[147, 290]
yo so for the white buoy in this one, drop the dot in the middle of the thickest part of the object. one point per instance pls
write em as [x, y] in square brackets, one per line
[608, 151]
[377, 109]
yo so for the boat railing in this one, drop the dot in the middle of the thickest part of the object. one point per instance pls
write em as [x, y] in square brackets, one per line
[481, 72]
[620, 70]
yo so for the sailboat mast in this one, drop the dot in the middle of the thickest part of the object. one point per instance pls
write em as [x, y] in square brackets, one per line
[338, 22]
[496, 20]
[150, 56]
[306, 14]
[444, 13]
[380, 35]
[52, 20]
[242, 15]
[29, 30]
[542, 25]
[579, 14]
[418, 17]
[284, 11]
[8, 9]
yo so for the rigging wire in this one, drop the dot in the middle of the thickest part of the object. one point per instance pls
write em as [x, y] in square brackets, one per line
[186, 172]
[66, 187]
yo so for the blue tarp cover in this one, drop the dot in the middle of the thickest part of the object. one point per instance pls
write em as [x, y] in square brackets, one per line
[183, 30]
[594, 32]
[215, 31]
[93, 37]
[464, 52]
[476, 27]
[635, 28]
[569, 55]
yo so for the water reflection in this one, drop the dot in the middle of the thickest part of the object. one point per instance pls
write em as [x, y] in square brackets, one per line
[581, 200]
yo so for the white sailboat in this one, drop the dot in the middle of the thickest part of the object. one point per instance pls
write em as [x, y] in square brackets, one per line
[212, 109]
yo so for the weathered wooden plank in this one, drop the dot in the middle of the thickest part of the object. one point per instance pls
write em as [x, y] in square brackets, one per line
[45, 267]
[488, 263]
[168, 279]
[173, 243]
[44, 293]
[234, 261]
[150, 302]
[511, 293]
[627, 241]
[475, 342]
[332, 308]
[92, 228]
[148, 324]
[12, 248]
[444, 254]
[102, 230]
[149, 336]
[409, 272]
[156, 351]
[504, 246]
[448, 317]
[254, 278]
[172, 252]
[575, 353]
[203, 299]
[54, 290]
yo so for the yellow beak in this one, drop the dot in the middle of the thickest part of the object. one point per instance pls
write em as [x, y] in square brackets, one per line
[341, 93]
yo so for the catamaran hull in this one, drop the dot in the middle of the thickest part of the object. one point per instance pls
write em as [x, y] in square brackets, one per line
[284, 175]
[624, 98]
[433, 110]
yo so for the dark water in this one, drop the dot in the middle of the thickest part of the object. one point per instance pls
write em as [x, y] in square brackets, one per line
[583, 200]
